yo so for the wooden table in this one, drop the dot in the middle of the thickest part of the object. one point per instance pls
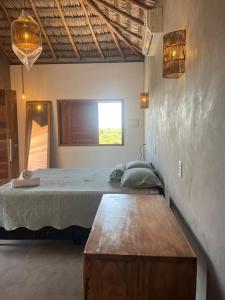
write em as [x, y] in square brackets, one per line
[137, 251]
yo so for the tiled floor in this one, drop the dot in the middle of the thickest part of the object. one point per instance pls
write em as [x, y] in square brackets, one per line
[40, 270]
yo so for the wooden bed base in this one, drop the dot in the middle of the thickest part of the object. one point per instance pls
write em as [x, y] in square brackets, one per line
[77, 234]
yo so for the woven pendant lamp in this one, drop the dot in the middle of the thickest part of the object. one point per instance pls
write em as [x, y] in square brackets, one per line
[26, 39]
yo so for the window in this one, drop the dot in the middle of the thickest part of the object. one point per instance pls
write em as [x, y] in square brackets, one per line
[110, 122]
[90, 122]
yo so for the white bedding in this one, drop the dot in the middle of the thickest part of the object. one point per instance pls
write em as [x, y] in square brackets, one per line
[65, 197]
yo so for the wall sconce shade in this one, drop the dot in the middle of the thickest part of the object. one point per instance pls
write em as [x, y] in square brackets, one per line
[174, 54]
[144, 100]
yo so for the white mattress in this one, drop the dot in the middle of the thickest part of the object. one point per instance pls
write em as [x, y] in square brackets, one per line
[65, 197]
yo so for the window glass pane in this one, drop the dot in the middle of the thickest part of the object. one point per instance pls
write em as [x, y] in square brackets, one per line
[110, 122]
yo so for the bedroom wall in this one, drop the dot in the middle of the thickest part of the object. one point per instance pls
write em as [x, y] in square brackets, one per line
[186, 122]
[85, 81]
[4, 72]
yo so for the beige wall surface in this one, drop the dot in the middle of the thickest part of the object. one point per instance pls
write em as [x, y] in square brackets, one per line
[4, 72]
[85, 81]
[186, 121]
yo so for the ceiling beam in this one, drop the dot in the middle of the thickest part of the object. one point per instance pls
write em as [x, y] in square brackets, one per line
[91, 28]
[34, 9]
[120, 12]
[117, 44]
[112, 27]
[57, 2]
[141, 4]
[5, 12]
[135, 35]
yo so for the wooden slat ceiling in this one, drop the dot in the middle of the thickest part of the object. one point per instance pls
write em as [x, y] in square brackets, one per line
[79, 31]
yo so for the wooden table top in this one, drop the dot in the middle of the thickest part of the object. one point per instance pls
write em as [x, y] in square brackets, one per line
[137, 225]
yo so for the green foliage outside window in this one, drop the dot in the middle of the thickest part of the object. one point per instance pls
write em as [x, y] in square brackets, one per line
[110, 136]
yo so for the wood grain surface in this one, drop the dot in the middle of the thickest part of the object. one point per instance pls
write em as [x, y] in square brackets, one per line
[137, 250]
[9, 154]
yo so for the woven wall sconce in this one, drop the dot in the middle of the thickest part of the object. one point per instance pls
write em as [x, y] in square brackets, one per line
[144, 100]
[174, 54]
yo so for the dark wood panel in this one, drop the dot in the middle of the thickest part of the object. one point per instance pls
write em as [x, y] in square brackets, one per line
[136, 250]
[3, 131]
[167, 280]
[12, 133]
[8, 135]
[2, 97]
[3, 115]
[4, 171]
[111, 279]
[78, 122]
[3, 125]
[3, 151]
[131, 278]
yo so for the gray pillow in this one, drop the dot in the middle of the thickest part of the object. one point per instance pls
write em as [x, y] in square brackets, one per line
[138, 164]
[140, 178]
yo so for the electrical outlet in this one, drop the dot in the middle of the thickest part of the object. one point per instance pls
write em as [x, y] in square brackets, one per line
[180, 169]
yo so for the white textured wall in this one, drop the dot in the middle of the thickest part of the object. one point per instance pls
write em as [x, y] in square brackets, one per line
[88, 81]
[186, 121]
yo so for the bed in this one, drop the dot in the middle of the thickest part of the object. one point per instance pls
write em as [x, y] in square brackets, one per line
[65, 198]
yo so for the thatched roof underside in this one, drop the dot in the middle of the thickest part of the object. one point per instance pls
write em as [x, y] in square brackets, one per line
[79, 31]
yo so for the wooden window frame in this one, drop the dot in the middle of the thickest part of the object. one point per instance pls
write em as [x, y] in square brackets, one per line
[89, 100]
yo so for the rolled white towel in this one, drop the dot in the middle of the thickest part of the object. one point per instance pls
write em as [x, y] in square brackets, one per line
[26, 174]
[19, 183]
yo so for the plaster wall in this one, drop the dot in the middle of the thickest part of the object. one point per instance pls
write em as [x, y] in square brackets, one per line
[85, 81]
[185, 121]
